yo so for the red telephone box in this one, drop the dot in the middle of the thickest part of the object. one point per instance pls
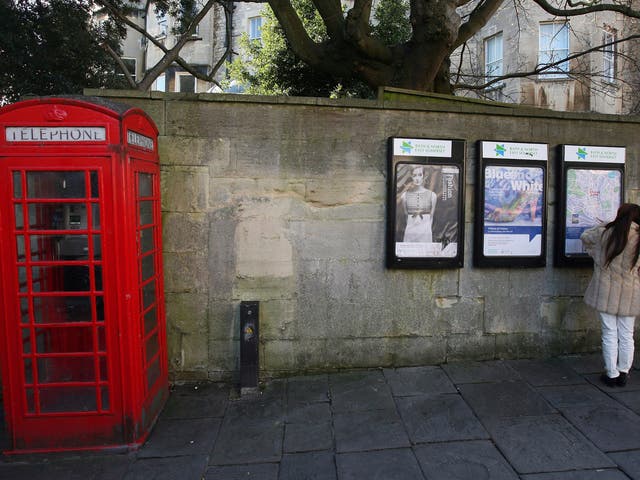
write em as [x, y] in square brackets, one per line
[83, 341]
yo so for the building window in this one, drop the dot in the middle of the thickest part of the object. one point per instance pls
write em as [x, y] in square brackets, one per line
[130, 63]
[185, 82]
[493, 57]
[162, 25]
[255, 28]
[609, 57]
[554, 46]
[160, 84]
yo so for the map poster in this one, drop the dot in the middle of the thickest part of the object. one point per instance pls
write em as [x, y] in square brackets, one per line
[591, 188]
[425, 223]
[513, 206]
[510, 220]
[593, 197]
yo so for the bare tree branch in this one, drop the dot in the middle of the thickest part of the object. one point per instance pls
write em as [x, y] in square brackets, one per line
[294, 30]
[477, 19]
[593, 7]
[331, 13]
[541, 68]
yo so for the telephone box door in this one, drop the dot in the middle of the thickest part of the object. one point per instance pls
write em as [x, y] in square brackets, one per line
[58, 213]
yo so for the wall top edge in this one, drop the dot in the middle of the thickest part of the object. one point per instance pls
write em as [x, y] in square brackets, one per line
[388, 99]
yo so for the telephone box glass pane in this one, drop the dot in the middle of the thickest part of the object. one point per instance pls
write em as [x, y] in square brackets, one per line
[145, 186]
[152, 347]
[146, 240]
[55, 185]
[66, 369]
[57, 216]
[146, 212]
[68, 399]
[148, 267]
[24, 310]
[62, 278]
[28, 371]
[61, 309]
[150, 321]
[19, 217]
[95, 186]
[153, 373]
[20, 248]
[148, 294]
[17, 185]
[65, 340]
[95, 216]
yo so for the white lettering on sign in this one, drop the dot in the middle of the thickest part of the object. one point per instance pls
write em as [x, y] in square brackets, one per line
[139, 140]
[55, 134]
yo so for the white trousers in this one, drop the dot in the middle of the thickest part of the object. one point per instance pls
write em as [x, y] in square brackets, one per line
[617, 343]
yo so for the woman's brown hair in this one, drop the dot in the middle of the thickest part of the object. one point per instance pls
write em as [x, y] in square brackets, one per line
[620, 226]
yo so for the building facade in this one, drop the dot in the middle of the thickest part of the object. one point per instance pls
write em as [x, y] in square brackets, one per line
[522, 38]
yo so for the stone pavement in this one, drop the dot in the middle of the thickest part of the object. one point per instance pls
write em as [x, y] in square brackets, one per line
[522, 419]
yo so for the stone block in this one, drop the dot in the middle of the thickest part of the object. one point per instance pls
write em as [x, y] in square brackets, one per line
[508, 314]
[185, 232]
[184, 189]
[185, 272]
[471, 347]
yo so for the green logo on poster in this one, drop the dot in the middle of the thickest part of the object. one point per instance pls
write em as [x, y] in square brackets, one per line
[582, 153]
[406, 147]
[500, 150]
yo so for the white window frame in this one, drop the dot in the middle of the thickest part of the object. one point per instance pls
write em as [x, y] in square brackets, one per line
[493, 57]
[609, 57]
[255, 28]
[553, 45]
[160, 84]
[163, 25]
[176, 86]
[135, 66]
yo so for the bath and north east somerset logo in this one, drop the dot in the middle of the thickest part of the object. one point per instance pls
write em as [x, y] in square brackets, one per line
[582, 153]
[500, 150]
[406, 147]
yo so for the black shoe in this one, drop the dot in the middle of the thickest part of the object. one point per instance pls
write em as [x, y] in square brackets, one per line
[621, 381]
[608, 381]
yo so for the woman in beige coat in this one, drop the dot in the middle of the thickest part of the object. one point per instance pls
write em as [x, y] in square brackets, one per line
[614, 290]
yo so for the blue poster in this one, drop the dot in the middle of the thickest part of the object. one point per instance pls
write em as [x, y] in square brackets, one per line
[513, 208]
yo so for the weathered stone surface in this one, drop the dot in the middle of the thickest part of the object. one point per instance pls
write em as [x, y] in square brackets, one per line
[284, 201]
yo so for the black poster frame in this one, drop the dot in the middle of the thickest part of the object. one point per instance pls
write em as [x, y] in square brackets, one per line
[441, 162]
[568, 160]
[511, 155]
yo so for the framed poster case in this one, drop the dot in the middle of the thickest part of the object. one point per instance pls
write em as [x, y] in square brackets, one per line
[590, 189]
[510, 214]
[425, 203]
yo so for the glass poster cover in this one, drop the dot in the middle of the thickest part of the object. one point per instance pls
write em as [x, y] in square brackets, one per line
[591, 190]
[510, 222]
[425, 227]
[513, 206]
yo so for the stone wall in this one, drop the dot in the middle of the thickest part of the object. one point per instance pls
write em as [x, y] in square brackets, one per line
[282, 200]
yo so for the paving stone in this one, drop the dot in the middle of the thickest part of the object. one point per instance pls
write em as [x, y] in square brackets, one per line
[545, 444]
[439, 418]
[399, 464]
[359, 431]
[360, 391]
[480, 372]
[308, 466]
[504, 399]
[255, 410]
[629, 462]
[606, 422]
[476, 460]
[611, 427]
[196, 401]
[600, 474]
[311, 389]
[81, 467]
[569, 396]
[309, 413]
[546, 372]
[259, 471]
[251, 443]
[168, 468]
[583, 364]
[307, 437]
[175, 437]
[630, 399]
[418, 381]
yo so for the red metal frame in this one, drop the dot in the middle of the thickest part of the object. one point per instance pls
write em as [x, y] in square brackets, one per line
[84, 362]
